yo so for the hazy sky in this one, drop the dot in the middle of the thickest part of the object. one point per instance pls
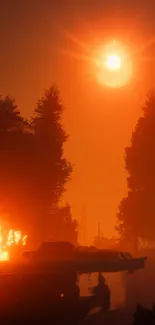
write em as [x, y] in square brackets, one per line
[44, 41]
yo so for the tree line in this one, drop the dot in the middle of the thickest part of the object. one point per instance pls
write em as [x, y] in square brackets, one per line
[136, 213]
[34, 170]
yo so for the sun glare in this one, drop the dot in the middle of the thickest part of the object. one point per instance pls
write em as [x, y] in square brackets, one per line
[113, 62]
[114, 65]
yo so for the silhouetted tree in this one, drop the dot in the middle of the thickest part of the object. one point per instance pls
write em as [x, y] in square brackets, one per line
[33, 169]
[10, 118]
[50, 138]
[15, 155]
[63, 226]
[136, 216]
[52, 170]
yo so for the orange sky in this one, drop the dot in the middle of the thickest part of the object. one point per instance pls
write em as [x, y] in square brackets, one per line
[34, 36]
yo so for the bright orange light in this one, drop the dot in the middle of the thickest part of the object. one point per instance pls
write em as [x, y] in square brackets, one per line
[114, 65]
[4, 256]
[12, 237]
[113, 62]
[61, 295]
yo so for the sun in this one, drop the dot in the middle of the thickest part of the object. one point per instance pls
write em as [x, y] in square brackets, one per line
[113, 62]
[113, 65]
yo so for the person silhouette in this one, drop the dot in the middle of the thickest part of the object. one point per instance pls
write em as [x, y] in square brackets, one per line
[102, 293]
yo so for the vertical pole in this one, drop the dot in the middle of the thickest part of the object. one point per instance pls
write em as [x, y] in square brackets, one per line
[98, 235]
[84, 226]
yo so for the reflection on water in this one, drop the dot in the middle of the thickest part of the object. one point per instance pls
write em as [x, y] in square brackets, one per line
[115, 282]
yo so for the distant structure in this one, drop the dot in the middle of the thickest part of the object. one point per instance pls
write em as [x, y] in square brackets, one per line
[83, 227]
[98, 234]
[102, 242]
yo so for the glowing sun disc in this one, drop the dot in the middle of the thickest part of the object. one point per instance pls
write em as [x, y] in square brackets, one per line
[114, 65]
[113, 62]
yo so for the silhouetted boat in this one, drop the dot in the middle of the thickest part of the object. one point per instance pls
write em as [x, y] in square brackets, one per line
[63, 256]
[43, 282]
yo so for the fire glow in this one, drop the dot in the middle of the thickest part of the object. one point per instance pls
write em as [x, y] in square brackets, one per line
[11, 238]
